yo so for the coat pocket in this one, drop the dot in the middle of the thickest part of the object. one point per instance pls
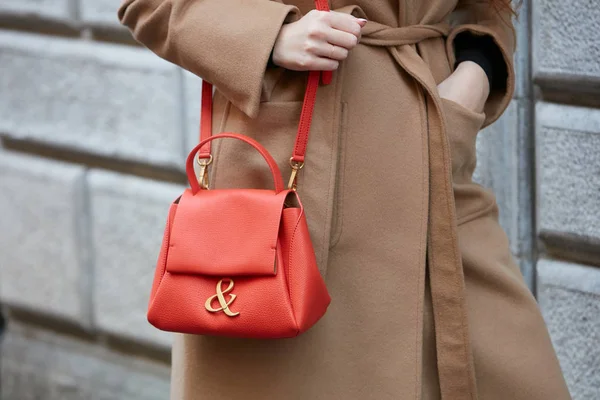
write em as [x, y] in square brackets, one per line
[462, 125]
[275, 127]
[336, 218]
[238, 165]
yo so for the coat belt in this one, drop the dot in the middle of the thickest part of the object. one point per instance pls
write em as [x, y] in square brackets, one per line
[454, 354]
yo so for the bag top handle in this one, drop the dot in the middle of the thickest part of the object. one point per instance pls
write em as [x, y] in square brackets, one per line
[189, 164]
[298, 155]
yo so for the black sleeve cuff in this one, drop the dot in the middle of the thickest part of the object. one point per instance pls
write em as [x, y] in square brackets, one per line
[270, 63]
[483, 51]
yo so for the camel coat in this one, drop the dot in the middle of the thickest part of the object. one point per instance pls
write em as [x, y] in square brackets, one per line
[427, 301]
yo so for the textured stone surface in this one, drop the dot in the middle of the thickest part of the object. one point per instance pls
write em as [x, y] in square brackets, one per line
[106, 99]
[566, 46]
[569, 295]
[568, 139]
[129, 216]
[54, 9]
[504, 165]
[522, 54]
[43, 257]
[102, 12]
[40, 365]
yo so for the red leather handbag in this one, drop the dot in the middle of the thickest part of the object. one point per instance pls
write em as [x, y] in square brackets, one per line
[239, 262]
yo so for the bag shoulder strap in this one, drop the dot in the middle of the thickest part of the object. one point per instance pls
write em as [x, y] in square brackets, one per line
[310, 96]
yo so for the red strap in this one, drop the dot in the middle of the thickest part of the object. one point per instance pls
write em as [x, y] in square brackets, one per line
[308, 107]
[206, 118]
[305, 117]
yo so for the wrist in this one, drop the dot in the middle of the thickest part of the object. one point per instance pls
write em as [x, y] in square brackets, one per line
[476, 77]
[275, 57]
[467, 85]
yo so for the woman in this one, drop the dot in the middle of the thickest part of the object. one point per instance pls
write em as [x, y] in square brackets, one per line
[427, 301]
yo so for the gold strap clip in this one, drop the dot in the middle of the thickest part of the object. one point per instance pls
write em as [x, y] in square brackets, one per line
[296, 166]
[203, 173]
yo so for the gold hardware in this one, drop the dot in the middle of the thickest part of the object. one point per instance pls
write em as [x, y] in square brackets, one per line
[296, 166]
[203, 174]
[224, 304]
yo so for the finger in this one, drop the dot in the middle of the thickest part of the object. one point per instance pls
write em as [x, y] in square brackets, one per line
[323, 64]
[331, 51]
[341, 38]
[344, 22]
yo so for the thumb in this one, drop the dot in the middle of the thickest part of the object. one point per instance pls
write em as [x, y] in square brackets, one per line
[361, 21]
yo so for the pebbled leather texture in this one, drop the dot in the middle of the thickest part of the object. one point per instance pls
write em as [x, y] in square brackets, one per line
[271, 306]
[230, 232]
[245, 236]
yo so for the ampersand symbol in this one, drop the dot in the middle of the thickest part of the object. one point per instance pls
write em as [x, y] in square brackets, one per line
[224, 304]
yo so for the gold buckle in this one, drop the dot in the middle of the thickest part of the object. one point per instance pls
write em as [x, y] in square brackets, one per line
[203, 173]
[296, 166]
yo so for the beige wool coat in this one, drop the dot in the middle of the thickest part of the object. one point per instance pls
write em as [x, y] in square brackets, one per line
[427, 301]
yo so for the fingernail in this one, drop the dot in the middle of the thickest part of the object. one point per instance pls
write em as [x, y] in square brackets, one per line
[362, 19]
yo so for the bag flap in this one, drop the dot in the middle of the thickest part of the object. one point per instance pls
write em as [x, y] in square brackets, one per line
[226, 232]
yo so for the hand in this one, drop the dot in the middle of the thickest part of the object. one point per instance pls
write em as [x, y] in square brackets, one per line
[318, 41]
[468, 86]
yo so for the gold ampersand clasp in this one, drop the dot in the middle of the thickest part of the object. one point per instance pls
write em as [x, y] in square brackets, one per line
[219, 295]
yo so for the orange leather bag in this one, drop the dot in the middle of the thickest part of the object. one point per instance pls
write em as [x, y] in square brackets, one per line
[239, 262]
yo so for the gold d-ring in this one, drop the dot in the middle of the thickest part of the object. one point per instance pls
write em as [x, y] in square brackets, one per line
[203, 173]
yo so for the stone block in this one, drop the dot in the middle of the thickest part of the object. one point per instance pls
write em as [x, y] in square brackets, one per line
[100, 12]
[128, 222]
[569, 296]
[43, 248]
[38, 364]
[523, 51]
[566, 44]
[504, 165]
[48, 9]
[106, 99]
[568, 139]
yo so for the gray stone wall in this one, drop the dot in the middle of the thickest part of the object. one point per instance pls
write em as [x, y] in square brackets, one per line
[566, 75]
[94, 130]
[93, 133]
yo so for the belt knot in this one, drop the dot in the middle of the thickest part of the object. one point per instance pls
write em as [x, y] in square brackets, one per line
[377, 34]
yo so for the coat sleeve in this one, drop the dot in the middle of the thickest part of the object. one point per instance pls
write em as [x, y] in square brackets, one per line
[228, 43]
[477, 17]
